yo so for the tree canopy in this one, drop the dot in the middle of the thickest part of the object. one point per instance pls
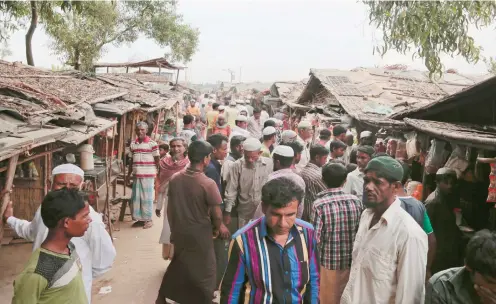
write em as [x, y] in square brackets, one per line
[81, 30]
[431, 28]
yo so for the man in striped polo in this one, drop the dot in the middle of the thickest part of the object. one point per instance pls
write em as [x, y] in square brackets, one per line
[144, 164]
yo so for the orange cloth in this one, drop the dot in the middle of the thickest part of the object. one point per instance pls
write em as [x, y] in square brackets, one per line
[225, 131]
[212, 118]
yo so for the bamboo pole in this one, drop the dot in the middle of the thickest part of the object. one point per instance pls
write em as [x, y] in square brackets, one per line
[107, 182]
[9, 182]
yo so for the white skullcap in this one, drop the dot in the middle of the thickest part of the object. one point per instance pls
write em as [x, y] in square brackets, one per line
[232, 103]
[288, 135]
[240, 101]
[68, 169]
[269, 131]
[349, 133]
[252, 144]
[221, 108]
[283, 150]
[365, 134]
[241, 118]
[304, 124]
[247, 102]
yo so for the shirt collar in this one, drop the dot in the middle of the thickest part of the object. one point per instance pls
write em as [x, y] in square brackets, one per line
[330, 191]
[390, 214]
[146, 140]
[462, 284]
[265, 233]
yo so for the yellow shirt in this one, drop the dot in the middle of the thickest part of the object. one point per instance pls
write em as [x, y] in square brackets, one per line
[195, 111]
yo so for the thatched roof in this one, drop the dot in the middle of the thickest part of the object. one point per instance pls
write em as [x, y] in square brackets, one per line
[373, 95]
[160, 62]
[480, 91]
[142, 78]
[52, 90]
[465, 134]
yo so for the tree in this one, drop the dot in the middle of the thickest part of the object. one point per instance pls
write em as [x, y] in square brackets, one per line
[77, 36]
[431, 28]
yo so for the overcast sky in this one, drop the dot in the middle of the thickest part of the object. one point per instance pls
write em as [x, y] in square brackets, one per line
[268, 40]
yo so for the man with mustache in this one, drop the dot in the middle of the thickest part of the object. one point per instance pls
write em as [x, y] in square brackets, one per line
[389, 256]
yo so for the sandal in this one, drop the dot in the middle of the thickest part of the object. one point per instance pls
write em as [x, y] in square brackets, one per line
[148, 224]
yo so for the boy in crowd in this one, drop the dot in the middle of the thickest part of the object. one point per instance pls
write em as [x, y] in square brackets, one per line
[53, 273]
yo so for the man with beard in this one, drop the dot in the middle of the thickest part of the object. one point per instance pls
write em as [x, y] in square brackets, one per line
[354, 181]
[247, 177]
[145, 166]
[193, 212]
[389, 256]
[95, 248]
[240, 127]
[176, 162]
[440, 205]
[283, 159]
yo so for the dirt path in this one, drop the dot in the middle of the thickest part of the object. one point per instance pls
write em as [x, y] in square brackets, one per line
[138, 268]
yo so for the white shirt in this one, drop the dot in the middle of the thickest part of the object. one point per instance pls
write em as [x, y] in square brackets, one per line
[354, 183]
[389, 260]
[94, 248]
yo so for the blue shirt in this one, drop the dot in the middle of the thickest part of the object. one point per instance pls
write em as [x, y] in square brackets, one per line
[263, 271]
[212, 171]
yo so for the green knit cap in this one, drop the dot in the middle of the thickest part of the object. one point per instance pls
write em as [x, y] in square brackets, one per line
[387, 167]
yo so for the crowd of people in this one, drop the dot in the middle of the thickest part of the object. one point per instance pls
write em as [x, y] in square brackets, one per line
[262, 212]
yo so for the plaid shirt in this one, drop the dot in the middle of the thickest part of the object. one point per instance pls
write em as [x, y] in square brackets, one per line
[336, 218]
[312, 176]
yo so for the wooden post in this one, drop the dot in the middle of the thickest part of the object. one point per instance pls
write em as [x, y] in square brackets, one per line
[46, 175]
[122, 145]
[159, 69]
[114, 185]
[9, 181]
[107, 184]
[177, 77]
[107, 69]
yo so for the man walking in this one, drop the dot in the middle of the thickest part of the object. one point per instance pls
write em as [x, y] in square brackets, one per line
[193, 211]
[354, 181]
[336, 218]
[273, 259]
[440, 205]
[231, 114]
[145, 164]
[236, 152]
[247, 177]
[304, 138]
[188, 132]
[53, 273]
[213, 171]
[312, 176]
[177, 161]
[390, 250]
[240, 128]
[255, 124]
[283, 159]
[269, 139]
[95, 248]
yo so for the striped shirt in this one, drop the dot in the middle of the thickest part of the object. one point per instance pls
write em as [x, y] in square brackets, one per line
[312, 176]
[336, 218]
[144, 154]
[261, 271]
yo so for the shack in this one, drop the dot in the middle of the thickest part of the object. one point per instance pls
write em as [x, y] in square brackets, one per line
[459, 132]
[45, 115]
[367, 98]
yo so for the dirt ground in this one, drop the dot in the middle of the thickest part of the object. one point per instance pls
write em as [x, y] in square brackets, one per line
[135, 277]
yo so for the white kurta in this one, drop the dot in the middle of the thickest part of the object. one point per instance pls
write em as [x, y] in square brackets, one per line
[95, 248]
[305, 154]
[354, 183]
[389, 260]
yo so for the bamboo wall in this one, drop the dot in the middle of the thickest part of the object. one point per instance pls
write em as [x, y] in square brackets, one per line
[28, 194]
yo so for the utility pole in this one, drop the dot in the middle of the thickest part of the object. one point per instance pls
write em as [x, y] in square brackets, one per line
[231, 73]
